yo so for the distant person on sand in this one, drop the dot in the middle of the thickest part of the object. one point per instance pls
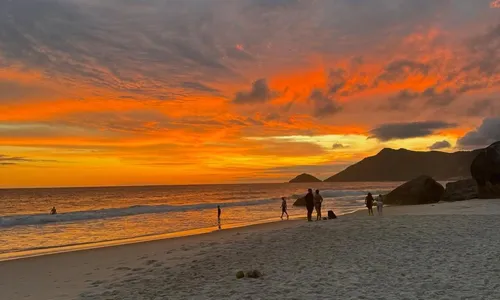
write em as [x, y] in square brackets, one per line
[284, 208]
[369, 203]
[309, 204]
[218, 215]
[318, 200]
[53, 211]
[380, 204]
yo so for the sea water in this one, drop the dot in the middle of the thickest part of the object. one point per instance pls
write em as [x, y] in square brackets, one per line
[92, 217]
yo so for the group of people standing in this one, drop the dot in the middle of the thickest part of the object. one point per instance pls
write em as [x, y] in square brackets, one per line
[313, 201]
[369, 204]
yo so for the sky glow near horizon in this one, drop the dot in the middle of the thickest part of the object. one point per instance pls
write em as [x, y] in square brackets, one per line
[129, 92]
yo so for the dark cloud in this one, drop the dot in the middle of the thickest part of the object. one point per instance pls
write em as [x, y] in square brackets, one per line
[439, 98]
[259, 93]
[395, 131]
[108, 44]
[400, 69]
[6, 160]
[401, 100]
[440, 145]
[199, 87]
[16, 91]
[482, 108]
[323, 105]
[484, 55]
[487, 133]
[472, 86]
[431, 95]
[338, 146]
[254, 122]
[336, 80]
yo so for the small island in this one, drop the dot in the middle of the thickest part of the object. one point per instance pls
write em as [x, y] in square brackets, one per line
[304, 178]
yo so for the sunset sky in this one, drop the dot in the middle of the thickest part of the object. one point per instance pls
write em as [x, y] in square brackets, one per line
[130, 92]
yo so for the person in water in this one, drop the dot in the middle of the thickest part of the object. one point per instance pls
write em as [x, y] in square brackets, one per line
[309, 204]
[369, 204]
[380, 204]
[53, 211]
[318, 200]
[284, 208]
[219, 211]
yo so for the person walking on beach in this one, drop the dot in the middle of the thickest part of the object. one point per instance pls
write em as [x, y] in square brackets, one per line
[369, 204]
[309, 204]
[318, 200]
[380, 204]
[218, 215]
[284, 208]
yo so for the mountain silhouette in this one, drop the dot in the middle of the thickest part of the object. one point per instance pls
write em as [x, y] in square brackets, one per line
[404, 165]
[305, 178]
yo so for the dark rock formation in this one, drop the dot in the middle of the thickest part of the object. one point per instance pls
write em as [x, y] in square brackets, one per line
[304, 178]
[404, 165]
[300, 202]
[421, 190]
[460, 190]
[485, 169]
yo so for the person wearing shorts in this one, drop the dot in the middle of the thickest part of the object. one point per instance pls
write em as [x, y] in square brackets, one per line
[380, 204]
[284, 208]
[318, 200]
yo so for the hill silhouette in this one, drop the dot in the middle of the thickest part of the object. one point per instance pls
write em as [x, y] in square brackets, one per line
[305, 178]
[404, 165]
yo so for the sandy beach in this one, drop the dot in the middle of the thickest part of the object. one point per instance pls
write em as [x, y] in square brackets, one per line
[440, 251]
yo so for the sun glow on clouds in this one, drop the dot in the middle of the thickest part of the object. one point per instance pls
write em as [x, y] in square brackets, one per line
[229, 91]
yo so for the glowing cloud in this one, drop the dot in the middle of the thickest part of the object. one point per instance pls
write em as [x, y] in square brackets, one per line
[216, 90]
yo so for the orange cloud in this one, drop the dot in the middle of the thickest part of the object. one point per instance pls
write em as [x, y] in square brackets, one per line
[137, 102]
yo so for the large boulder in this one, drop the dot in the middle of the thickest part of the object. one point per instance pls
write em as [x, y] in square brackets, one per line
[300, 202]
[421, 190]
[461, 190]
[485, 169]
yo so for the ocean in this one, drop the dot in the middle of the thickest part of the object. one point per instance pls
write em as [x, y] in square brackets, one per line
[100, 216]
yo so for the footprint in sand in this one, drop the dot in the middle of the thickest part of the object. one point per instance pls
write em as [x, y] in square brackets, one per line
[98, 282]
[123, 269]
[137, 269]
[151, 261]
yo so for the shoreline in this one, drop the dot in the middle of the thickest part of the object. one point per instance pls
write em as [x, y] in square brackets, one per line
[25, 254]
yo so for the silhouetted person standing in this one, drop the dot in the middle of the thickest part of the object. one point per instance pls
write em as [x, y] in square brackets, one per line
[53, 211]
[309, 204]
[369, 203]
[218, 215]
[318, 200]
